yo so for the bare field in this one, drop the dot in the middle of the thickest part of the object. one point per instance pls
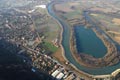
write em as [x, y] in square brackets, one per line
[58, 56]
[116, 21]
[101, 9]
[63, 8]
[71, 10]
[94, 14]
[117, 39]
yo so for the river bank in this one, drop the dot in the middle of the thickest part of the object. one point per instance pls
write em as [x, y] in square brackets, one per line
[61, 50]
[62, 58]
[69, 56]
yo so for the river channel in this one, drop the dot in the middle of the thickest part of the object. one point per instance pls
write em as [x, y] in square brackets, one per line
[68, 54]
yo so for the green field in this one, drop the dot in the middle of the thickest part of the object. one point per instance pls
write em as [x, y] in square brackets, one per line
[74, 14]
[51, 47]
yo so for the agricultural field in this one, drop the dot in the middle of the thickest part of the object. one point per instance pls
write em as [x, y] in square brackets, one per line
[70, 11]
[110, 24]
[105, 15]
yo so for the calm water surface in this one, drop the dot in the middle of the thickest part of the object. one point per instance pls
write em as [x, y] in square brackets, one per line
[87, 42]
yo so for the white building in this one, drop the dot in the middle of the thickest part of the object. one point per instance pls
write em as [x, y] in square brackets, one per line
[55, 73]
[60, 76]
[40, 6]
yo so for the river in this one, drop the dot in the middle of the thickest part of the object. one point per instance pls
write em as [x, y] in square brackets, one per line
[68, 54]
